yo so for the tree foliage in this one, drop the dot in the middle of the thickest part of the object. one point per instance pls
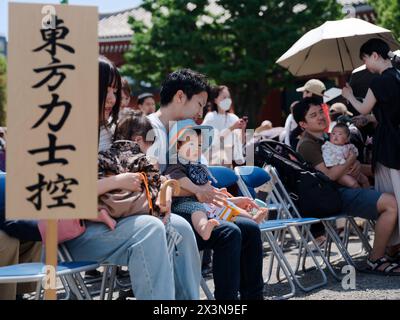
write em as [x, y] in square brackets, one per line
[388, 14]
[234, 42]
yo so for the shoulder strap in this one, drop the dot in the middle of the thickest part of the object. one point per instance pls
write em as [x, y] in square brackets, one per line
[147, 190]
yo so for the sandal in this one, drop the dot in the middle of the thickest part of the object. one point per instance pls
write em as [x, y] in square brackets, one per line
[373, 267]
[394, 258]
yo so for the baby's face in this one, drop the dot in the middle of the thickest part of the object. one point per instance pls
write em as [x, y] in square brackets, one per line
[339, 136]
[190, 149]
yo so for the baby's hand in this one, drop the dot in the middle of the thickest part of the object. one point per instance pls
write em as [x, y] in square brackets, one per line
[261, 215]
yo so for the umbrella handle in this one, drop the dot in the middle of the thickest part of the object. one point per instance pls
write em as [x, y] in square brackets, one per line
[174, 184]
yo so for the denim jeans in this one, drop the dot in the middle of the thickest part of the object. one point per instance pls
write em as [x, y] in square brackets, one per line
[237, 259]
[139, 242]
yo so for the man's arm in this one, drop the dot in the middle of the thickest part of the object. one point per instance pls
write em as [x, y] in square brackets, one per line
[205, 193]
[311, 152]
[336, 172]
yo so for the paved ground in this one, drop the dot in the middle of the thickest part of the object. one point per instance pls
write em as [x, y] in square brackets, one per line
[367, 286]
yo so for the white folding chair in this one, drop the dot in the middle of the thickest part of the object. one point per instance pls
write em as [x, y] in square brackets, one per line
[252, 177]
[329, 223]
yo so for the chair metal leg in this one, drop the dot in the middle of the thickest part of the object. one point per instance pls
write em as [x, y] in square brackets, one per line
[66, 288]
[316, 263]
[323, 257]
[278, 253]
[346, 256]
[203, 283]
[206, 289]
[104, 282]
[360, 234]
[73, 286]
[270, 268]
[38, 290]
[85, 290]
[113, 274]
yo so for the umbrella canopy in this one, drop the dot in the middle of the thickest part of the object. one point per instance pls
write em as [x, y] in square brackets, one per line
[333, 47]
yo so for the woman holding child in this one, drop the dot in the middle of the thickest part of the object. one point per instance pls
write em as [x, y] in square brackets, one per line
[138, 241]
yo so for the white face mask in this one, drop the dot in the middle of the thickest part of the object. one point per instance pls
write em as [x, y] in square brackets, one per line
[225, 104]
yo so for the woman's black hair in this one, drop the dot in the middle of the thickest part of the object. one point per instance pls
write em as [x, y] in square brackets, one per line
[375, 45]
[215, 91]
[108, 77]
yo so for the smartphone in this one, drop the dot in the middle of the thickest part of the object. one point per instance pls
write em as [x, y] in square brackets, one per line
[245, 118]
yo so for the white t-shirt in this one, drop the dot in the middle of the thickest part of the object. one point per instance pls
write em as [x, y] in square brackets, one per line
[290, 125]
[159, 149]
[232, 140]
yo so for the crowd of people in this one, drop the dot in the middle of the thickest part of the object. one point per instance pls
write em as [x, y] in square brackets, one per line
[139, 150]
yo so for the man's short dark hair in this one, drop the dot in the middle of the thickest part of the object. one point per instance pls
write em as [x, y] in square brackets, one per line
[375, 45]
[301, 108]
[144, 96]
[189, 81]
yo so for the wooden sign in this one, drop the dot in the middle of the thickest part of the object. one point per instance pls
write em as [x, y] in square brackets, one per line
[52, 114]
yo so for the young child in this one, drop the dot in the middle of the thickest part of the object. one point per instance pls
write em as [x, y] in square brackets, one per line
[204, 216]
[336, 151]
[125, 98]
[127, 154]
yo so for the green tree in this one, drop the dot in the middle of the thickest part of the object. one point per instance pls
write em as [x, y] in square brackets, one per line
[388, 14]
[235, 43]
[3, 82]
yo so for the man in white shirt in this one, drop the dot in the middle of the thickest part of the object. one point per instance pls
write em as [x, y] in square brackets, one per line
[184, 94]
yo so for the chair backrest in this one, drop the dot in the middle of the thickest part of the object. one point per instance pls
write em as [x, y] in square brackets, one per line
[225, 177]
[252, 177]
[281, 195]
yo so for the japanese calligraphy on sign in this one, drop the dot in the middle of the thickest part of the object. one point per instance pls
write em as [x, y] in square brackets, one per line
[52, 113]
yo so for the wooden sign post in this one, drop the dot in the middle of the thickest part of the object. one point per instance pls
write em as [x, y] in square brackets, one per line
[52, 116]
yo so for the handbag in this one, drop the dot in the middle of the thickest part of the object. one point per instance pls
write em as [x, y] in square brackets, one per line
[123, 203]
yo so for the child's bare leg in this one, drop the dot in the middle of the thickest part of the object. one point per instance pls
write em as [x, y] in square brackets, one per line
[104, 216]
[261, 215]
[349, 181]
[203, 225]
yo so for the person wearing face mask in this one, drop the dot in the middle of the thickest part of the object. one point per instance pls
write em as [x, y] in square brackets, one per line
[227, 147]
